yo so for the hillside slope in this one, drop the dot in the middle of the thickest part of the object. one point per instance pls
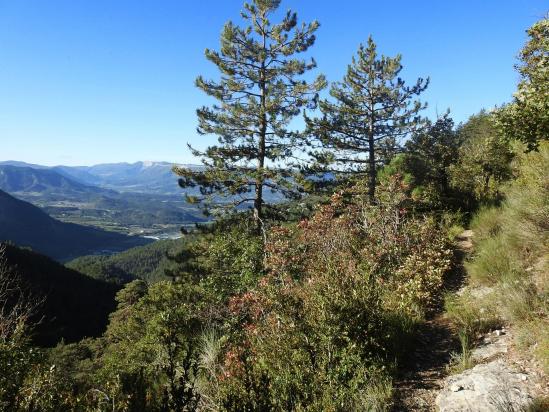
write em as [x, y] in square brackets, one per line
[27, 225]
[44, 182]
[74, 305]
[147, 262]
[70, 200]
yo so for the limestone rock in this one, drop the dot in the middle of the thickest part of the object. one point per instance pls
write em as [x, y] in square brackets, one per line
[488, 387]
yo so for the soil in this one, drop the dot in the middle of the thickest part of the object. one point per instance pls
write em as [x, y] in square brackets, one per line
[426, 366]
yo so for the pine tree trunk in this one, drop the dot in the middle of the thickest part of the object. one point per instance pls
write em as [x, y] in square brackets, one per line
[371, 164]
[258, 202]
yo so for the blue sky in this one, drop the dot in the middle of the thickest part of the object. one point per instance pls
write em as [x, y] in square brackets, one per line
[85, 82]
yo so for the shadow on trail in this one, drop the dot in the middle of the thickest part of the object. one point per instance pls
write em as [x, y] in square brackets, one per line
[424, 366]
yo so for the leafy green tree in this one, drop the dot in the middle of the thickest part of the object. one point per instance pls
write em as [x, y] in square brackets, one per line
[484, 159]
[371, 111]
[259, 93]
[431, 151]
[152, 344]
[426, 163]
[527, 117]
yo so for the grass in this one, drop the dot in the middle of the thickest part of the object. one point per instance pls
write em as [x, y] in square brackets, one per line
[377, 397]
[533, 336]
[511, 254]
[472, 316]
[461, 361]
[494, 262]
[486, 222]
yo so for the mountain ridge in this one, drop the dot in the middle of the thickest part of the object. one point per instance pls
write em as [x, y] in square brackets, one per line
[140, 177]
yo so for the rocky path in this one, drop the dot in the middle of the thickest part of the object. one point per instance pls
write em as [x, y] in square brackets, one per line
[500, 380]
[425, 367]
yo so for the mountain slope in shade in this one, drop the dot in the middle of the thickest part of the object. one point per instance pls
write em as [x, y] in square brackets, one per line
[74, 306]
[27, 225]
[148, 263]
[16, 179]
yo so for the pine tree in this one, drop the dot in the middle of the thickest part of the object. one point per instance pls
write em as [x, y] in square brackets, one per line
[371, 112]
[260, 91]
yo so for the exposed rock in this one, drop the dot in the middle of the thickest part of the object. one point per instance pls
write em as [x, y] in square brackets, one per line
[476, 292]
[488, 387]
[492, 348]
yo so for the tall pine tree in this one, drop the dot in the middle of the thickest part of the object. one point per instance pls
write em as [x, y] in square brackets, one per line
[260, 91]
[371, 112]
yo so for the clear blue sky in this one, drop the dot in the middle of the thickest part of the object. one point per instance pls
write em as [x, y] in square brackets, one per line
[84, 82]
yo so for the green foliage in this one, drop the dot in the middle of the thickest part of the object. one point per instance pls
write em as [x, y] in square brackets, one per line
[511, 251]
[17, 356]
[226, 260]
[372, 111]
[152, 345]
[330, 318]
[260, 91]
[527, 117]
[74, 305]
[148, 263]
[486, 222]
[461, 361]
[493, 262]
[483, 159]
[429, 156]
[17, 359]
[472, 316]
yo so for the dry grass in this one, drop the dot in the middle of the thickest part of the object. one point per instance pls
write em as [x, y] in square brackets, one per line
[511, 255]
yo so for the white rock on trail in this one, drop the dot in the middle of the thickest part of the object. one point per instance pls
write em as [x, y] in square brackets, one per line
[492, 348]
[488, 387]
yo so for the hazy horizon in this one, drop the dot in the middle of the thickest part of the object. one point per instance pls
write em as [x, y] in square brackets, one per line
[96, 164]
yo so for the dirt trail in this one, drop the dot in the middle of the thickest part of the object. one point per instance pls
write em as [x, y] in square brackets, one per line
[424, 369]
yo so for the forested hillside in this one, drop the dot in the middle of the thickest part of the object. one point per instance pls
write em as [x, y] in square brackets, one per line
[68, 305]
[27, 225]
[148, 263]
[358, 292]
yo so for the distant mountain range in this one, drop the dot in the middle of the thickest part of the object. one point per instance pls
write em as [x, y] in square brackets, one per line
[69, 199]
[139, 177]
[27, 225]
[42, 181]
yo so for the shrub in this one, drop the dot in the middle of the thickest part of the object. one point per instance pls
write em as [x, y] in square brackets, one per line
[342, 293]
